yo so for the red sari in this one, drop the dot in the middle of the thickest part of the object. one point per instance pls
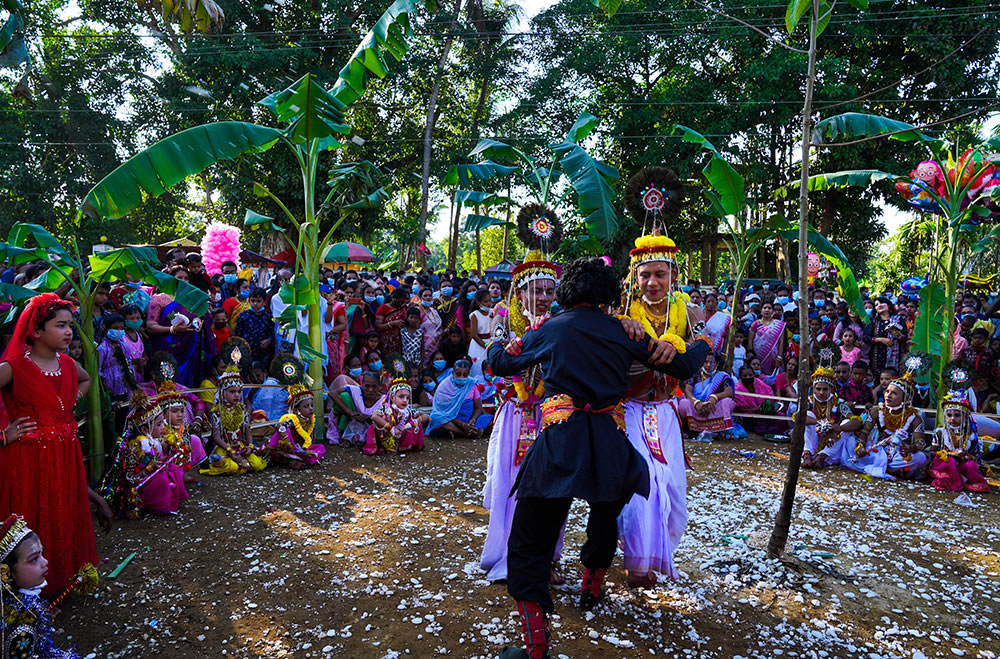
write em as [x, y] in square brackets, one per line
[42, 475]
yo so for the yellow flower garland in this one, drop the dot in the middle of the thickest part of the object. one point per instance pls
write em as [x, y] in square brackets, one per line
[305, 433]
[676, 322]
[522, 391]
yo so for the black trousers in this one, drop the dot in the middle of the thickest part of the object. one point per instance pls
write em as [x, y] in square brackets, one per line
[533, 536]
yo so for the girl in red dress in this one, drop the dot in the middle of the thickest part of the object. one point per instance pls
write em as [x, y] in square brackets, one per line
[42, 476]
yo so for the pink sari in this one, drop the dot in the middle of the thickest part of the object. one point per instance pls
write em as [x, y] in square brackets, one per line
[766, 340]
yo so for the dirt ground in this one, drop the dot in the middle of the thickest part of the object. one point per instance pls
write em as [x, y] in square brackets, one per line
[378, 557]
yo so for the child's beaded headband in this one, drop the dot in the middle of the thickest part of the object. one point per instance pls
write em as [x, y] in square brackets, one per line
[398, 384]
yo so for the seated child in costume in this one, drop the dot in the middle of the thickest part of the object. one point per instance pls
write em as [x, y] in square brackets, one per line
[830, 423]
[234, 452]
[26, 623]
[956, 450]
[292, 444]
[145, 474]
[177, 435]
[890, 444]
[856, 391]
[396, 427]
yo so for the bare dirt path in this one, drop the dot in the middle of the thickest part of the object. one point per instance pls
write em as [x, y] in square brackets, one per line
[378, 557]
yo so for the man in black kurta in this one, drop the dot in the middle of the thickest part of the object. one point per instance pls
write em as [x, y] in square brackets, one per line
[581, 451]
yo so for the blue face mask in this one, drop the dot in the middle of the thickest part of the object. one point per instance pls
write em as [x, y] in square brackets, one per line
[795, 296]
[439, 364]
[471, 295]
[783, 300]
[427, 303]
[229, 279]
[429, 386]
[825, 319]
[376, 365]
[380, 299]
[460, 382]
[756, 371]
[116, 334]
[245, 293]
[721, 305]
[820, 303]
[355, 372]
[686, 289]
[369, 299]
[796, 337]
[447, 291]
[495, 298]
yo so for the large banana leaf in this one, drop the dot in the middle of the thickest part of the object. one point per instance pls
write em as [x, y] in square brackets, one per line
[857, 124]
[168, 162]
[466, 174]
[373, 200]
[388, 38]
[929, 327]
[312, 112]
[480, 222]
[729, 185]
[364, 171]
[142, 264]
[21, 231]
[476, 198]
[490, 148]
[253, 221]
[581, 128]
[845, 276]
[590, 179]
[693, 136]
[842, 179]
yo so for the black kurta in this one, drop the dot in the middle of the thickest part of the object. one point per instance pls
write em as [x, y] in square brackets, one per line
[586, 354]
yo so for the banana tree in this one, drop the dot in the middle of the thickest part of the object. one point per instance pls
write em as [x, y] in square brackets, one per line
[959, 204]
[313, 119]
[726, 194]
[588, 177]
[66, 272]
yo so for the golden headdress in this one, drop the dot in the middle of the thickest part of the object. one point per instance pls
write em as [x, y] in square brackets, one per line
[13, 531]
[142, 408]
[825, 374]
[397, 384]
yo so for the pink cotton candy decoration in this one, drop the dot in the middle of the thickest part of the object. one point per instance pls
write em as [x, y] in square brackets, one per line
[221, 243]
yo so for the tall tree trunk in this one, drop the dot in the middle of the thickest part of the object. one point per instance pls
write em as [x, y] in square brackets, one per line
[712, 272]
[783, 521]
[479, 255]
[705, 247]
[425, 180]
[454, 233]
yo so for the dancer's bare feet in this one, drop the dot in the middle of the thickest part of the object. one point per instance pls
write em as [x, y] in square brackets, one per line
[647, 580]
[555, 578]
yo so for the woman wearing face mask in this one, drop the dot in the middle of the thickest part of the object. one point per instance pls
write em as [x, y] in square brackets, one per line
[879, 337]
[447, 306]
[430, 322]
[767, 336]
[458, 409]
[389, 319]
[479, 333]
[708, 403]
[439, 366]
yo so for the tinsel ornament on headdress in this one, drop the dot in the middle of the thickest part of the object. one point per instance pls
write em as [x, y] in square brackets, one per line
[916, 364]
[826, 353]
[13, 531]
[958, 375]
[540, 229]
[142, 408]
[169, 396]
[654, 196]
[236, 352]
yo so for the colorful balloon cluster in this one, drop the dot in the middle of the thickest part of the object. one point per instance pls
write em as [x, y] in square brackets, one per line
[973, 167]
[221, 243]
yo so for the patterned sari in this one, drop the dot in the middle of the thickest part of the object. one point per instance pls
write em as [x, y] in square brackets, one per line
[766, 342]
[430, 322]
